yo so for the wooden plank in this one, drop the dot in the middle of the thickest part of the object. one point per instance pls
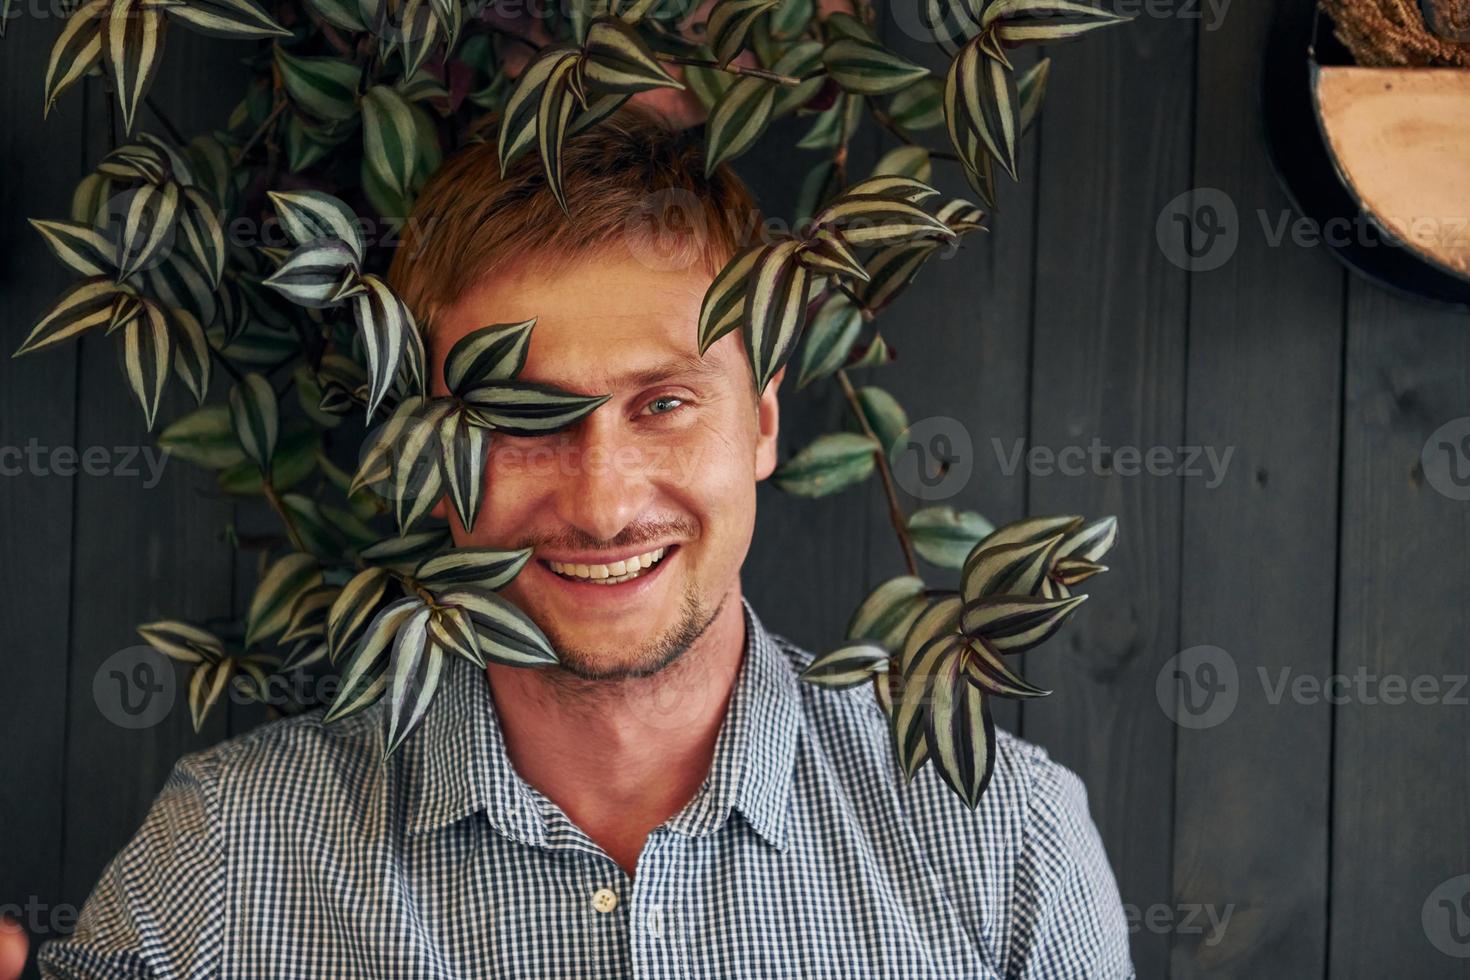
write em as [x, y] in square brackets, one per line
[143, 552]
[1109, 363]
[1250, 825]
[37, 417]
[1399, 790]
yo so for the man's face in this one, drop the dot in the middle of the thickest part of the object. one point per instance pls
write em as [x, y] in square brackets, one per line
[666, 467]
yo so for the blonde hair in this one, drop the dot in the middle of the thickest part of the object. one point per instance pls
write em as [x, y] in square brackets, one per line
[631, 181]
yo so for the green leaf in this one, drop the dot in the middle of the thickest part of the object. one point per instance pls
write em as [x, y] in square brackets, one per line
[801, 60]
[76, 51]
[353, 608]
[90, 303]
[1016, 569]
[132, 46]
[505, 633]
[317, 275]
[282, 584]
[832, 462]
[205, 437]
[524, 408]
[309, 613]
[465, 449]
[322, 87]
[1031, 91]
[206, 683]
[146, 227]
[295, 458]
[920, 106]
[984, 668]
[553, 114]
[191, 352]
[738, 120]
[847, 666]
[617, 60]
[385, 325]
[390, 138]
[519, 121]
[235, 19]
[885, 416]
[724, 302]
[869, 68]
[906, 161]
[255, 418]
[829, 338]
[414, 672]
[944, 535]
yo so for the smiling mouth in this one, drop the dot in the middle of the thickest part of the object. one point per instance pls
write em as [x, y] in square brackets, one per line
[614, 573]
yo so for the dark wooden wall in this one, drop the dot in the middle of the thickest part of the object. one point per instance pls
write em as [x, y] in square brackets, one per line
[1321, 828]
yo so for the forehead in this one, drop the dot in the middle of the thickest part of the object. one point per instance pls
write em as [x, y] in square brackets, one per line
[598, 320]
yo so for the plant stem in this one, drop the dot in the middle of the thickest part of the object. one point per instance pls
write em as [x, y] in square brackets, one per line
[733, 69]
[226, 363]
[895, 511]
[280, 508]
[280, 107]
[889, 123]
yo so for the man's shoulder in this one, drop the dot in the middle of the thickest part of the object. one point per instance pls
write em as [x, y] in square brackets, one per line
[850, 728]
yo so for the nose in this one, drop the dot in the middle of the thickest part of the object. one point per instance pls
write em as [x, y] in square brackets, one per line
[604, 483]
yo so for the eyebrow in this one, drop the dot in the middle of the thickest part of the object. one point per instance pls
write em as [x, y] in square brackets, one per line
[681, 365]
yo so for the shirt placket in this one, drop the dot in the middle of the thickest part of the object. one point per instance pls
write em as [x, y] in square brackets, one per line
[653, 920]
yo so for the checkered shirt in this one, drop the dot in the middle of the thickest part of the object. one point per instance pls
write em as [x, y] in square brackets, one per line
[293, 851]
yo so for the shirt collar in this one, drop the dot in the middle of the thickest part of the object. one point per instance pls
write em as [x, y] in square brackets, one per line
[456, 763]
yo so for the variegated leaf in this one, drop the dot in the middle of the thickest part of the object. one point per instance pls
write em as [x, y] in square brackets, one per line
[322, 87]
[847, 666]
[310, 216]
[203, 437]
[362, 678]
[984, 668]
[1012, 623]
[1031, 91]
[1044, 21]
[390, 138]
[553, 114]
[309, 613]
[182, 641]
[829, 338]
[417, 478]
[235, 19]
[146, 226]
[869, 68]
[912, 705]
[132, 46]
[414, 672]
[890, 271]
[315, 275]
[518, 121]
[826, 252]
[961, 734]
[724, 301]
[1031, 529]
[147, 352]
[203, 234]
[192, 361]
[830, 463]
[255, 417]
[738, 120]
[505, 633]
[878, 219]
[802, 60]
[940, 617]
[618, 61]
[525, 408]
[82, 247]
[76, 50]
[353, 608]
[1090, 542]
[206, 684]
[1016, 569]
[493, 353]
[464, 448]
[486, 568]
[728, 24]
[384, 323]
[888, 612]
[775, 309]
[280, 587]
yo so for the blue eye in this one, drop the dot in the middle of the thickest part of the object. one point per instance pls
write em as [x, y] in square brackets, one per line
[665, 399]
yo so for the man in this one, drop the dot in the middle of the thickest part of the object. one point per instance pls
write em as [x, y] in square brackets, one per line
[668, 801]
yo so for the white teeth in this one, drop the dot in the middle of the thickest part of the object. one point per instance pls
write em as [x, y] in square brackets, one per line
[618, 571]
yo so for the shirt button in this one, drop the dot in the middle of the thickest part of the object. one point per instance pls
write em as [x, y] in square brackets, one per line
[655, 922]
[605, 900]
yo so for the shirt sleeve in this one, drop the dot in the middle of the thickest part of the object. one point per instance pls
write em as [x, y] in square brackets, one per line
[1069, 917]
[158, 909]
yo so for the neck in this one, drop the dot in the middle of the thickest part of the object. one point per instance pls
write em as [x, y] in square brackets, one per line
[621, 757]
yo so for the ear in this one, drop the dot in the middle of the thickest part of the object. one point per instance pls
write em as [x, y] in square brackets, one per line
[768, 423]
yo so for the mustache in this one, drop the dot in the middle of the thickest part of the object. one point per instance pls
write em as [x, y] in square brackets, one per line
[632, 536]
